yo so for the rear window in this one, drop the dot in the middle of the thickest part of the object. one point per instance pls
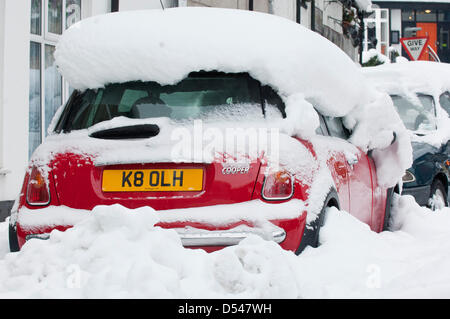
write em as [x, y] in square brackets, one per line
[208, 96]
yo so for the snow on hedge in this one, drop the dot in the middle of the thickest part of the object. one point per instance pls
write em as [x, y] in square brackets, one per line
[409, 78]
[304, 68]
[367, 55]
[364, 5]
[118, 253]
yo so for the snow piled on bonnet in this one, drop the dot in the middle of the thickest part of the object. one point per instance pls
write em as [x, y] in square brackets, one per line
[305, 68]
[118, 253]
[408, 78]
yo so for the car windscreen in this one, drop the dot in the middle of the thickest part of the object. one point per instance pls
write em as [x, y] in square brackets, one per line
[418, 115]
[205, 96]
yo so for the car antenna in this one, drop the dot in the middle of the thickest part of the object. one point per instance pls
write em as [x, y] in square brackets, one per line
[160, 1]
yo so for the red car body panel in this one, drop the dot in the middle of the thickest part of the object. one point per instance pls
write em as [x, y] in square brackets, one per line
[75, 182]
[361, 189]
[339, 171]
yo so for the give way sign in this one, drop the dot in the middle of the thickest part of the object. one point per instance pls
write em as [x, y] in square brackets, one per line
[414, 46]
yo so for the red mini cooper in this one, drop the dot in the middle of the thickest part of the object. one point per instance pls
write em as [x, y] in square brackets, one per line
[135, 142]
[97, 157]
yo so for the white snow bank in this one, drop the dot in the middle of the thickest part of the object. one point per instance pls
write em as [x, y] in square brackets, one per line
[118, 253]
[410, 262]
[304, 68]
[254, 211]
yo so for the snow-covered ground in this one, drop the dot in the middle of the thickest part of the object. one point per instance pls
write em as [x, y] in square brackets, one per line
[117, 253]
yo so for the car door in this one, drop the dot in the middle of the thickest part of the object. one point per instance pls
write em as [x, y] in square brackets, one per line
[338, 166]
[359, 174]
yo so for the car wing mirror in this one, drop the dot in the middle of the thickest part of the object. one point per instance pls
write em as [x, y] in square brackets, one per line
[394, 139]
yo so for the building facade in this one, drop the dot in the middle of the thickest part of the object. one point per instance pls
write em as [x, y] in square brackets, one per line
[392, 20]
[31, 89]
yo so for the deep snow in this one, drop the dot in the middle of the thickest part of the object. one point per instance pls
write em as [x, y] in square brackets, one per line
[117, 253]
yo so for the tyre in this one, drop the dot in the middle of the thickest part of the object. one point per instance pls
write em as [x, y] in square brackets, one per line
[13, 242]
[388, 208]
[438, 196]
[312, 230]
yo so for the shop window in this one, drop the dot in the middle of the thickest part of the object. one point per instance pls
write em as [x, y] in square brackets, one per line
[426, 15]
[408, 16]
[444, 16]
[47, 88]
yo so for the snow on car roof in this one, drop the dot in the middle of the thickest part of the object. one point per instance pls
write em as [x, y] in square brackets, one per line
[166, 45]
[306, 70]
[406, 77]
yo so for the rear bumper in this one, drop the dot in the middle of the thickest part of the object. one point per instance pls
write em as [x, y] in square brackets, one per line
[193, 237]
[195, 228]
[420, 193]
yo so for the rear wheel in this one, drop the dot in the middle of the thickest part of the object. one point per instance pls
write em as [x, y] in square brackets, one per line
[438, 196]
[13, 242]
[312, 230]
[387, 211]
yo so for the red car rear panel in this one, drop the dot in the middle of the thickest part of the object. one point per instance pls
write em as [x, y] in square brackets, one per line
[79, 185]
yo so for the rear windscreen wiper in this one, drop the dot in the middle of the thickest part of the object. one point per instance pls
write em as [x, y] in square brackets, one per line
[127, 132]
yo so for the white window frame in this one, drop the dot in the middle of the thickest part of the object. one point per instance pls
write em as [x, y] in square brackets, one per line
[378, 20]
[49, 38]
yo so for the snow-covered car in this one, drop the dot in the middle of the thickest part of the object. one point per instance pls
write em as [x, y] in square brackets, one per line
[419, 91]
[161, 95]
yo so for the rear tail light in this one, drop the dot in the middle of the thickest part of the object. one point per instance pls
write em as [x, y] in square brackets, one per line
[37, 189]
[278, 186]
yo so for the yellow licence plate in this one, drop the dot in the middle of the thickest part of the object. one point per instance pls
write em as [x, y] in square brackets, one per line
[152, 180]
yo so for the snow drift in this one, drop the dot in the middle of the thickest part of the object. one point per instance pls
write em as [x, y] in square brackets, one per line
[118, 253]
[306, 70]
